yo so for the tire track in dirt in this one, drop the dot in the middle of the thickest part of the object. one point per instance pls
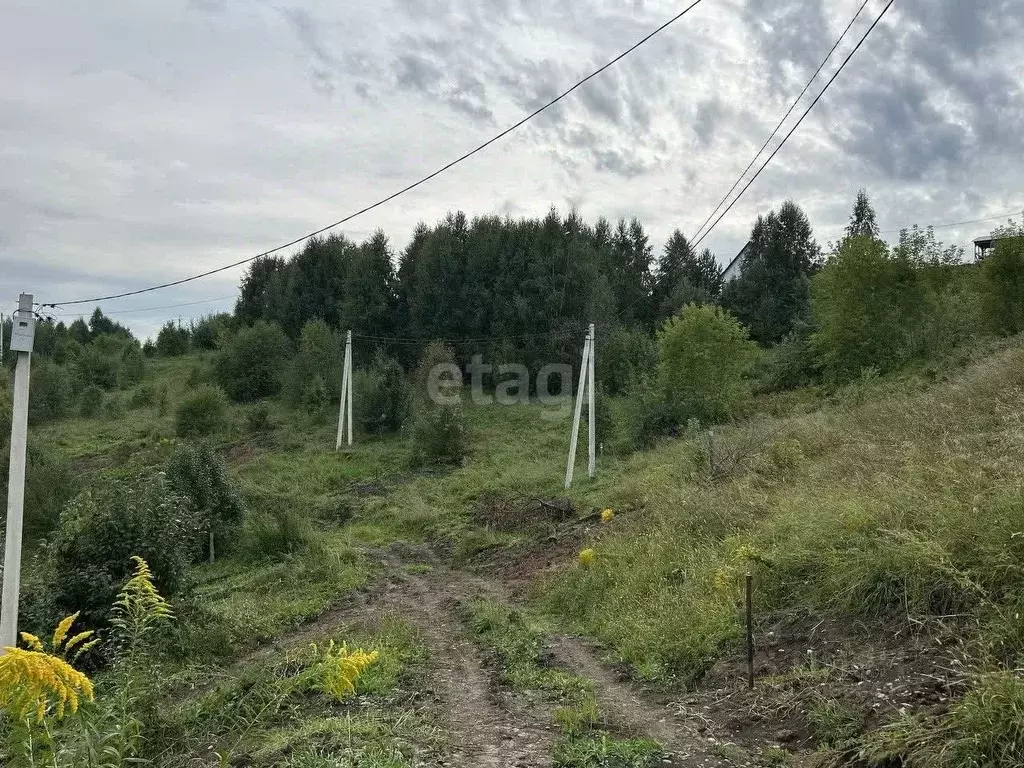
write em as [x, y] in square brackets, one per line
[628, 708]
[483, 731]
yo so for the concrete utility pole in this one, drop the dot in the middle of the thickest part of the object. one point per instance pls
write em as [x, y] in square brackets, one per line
[23, 329]
[591, 428]
[345, 409]
[584, 389]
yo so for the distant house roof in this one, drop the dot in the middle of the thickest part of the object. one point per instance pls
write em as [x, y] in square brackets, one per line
[735, 268]
[983, 245]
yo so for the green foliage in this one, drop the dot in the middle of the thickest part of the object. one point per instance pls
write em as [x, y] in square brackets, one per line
[862, 220]
[866, 302]
[210, 331]
[49, 392]
[601, 750]
[49, 483]
[833, 723]
[203, 412]
[90, 402]
[251, 365]
[1002, 283]
[440, 435]
[257, 418]
[772, 294]
[684, 277]
[790, 364]
[383, 396]
[96, 366]
[704, 358]
[89, 556]
[197, 472]
[314, 378]
[625, 357]
[172, 340]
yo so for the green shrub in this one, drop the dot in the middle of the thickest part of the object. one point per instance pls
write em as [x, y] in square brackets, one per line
[202, 413]
[274, 531]
[49, 392]
[197, 472]
[257, 418]
[49, 483]
[100, 530]
[638, 419]
[6, 408]
[703, 362]
[94, 366]
[624, 358]
[440, 435]
[172, 340]
[251, 365]
[319, 357]
[133, 366]
[1002, 284]
[383, 397]
[90, 402]
[144, 396]
[790, 364]
[210, 331]
[436, 353]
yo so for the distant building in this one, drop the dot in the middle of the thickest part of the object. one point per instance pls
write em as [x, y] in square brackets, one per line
[735, 268]
[984, 245]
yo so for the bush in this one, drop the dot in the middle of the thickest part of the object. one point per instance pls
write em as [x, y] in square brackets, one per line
[639, 418]
[790, 364]
[251, 366]
[133, 366]
[196, 472]
[704, 358]
[172, 340]
[143, 397]
[257, 419]
[90, 402]
[100, 530]
[867, 304]
[436, 353]
[208, 332]
[383, 397]
[319, 357]
[440, 435]
[93, 366]
[624, 357]
[49, 484]
[202, 413]
[1002, 284]
[49, 392]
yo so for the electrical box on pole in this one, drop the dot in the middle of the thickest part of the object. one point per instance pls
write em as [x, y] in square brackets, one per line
[22, 336]
[23, 326]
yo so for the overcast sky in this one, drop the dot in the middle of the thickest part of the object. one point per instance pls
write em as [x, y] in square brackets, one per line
[144, 141]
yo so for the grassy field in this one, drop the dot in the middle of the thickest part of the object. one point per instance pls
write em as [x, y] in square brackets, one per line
[890, 509]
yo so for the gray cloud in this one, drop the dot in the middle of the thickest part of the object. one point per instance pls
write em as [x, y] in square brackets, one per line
[151, 141]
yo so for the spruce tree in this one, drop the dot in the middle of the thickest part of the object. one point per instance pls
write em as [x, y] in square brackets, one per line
[862, 220]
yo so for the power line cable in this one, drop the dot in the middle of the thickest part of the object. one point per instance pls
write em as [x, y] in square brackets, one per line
[402, 191]
[785, 117]
[149, 309]
[798, 123]
[956, 223]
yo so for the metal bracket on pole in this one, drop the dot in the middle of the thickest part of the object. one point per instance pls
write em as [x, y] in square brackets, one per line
[345, 409]
[22, 338]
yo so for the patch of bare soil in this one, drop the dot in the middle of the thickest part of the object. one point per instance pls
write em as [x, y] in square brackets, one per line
[485, 729]
[688, 741]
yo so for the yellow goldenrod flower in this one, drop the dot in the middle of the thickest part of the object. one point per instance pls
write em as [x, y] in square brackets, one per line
[79, 638]
[62, 629]
[339, 669]
[32, 682]
[33, 642]
[607, 515]
[139, 608]
[587, 557]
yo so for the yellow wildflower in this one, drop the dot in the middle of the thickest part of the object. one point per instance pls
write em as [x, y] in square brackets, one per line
[587, 557]
[340, 668]
[32, 682]
[31, 641]
[62, 629]
[139, 608]
[607, 515]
